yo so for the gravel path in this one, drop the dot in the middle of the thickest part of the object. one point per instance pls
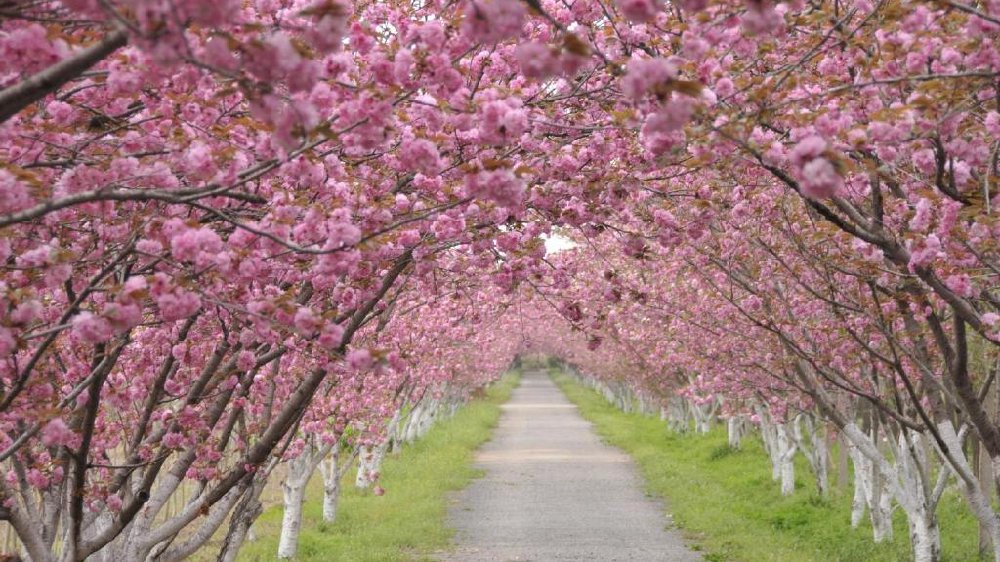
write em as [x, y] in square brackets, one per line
[554, 492]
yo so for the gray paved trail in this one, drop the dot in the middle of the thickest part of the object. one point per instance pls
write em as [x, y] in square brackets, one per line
[554, 492]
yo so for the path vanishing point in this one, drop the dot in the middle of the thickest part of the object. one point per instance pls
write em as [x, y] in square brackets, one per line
[554, 492]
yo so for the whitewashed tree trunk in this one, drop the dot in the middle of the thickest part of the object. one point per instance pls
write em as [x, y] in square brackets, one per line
[735, 429]
[677, 415]
[413, 422]
[241, 521]
[786, 459]
[859, 503]
[427, 420]
[330, 471]
[704, 415]
[363, 478]
[873, 496]
[915, 479]
[293, 492]
[973, 489]
[780, 448]
[769, 437]
[333, 468]
[300, 470]
[810, 440]
[370, 459]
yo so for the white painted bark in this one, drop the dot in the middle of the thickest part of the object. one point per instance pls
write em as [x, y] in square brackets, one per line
[780, 448]
[704, 415]
[370, 459]
[242, 519]
[363, 478]
[677, 415]
[859, 503]
[810, 440]
[300, 470]
[786, 458]
[873, 496]
[330, 469]
[413, 422]
[735, 429]
[973, 489]
[293, 493]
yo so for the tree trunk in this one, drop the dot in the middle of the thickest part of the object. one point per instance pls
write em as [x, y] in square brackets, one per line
[293, 491]
[331, 472]
[925, 536]
[734, 426]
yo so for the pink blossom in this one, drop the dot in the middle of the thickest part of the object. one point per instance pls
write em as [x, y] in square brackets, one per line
[360, 359]
[661, 132]
[992, 123]
[409, 237]
[133, 289]
[123, 317]
[178, 304]
[14, 194]
[148, 246]
[500, 186]
[61, 112]
[328, 31]
[639, 10]
[644, 74]
[342, 234]
[306, 321]
[924, 161]
[114, 502]
[537, 60]
[926, 253]
[491, 21]
[447, 227]
[91, 329]
[37, 479]
[820, 179]
[724, 88]
[420, 155]
[502, 121]
[923, 215]
[57, 433]
[762, 18]
[26, 312]
[245, 360]
[961, 284]
[7, 342]
[331, 336]
[173, 440]
[807, 149]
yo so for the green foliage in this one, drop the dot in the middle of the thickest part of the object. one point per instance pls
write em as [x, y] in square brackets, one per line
[726, 504]
[408, 522]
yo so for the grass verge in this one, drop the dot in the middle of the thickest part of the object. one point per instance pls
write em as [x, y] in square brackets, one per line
[727, 505]
[408, 522]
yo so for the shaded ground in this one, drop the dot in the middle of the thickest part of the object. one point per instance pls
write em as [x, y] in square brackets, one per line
[553, 492]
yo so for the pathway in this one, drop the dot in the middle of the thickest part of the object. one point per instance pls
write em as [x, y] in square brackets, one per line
[554, 492]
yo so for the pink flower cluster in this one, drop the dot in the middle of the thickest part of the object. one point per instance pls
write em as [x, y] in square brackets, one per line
[500, 186]
[645, 74]
[491, 21]
[640, 10]
[539, 60]
[817, 175]
[502, 121]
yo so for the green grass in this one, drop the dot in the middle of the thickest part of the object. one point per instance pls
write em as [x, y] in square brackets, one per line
[408, 522]
[727, 505]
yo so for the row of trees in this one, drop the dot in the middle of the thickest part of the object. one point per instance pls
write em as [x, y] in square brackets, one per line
[232, 232]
